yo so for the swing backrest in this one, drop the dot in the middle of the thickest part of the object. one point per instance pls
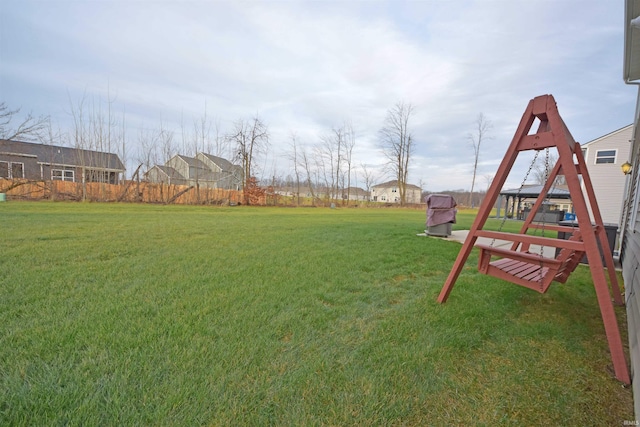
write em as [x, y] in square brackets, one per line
[531, 270]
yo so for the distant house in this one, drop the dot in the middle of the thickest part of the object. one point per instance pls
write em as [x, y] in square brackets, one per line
[603, 157]
[292, 191]
[388, 192]
[50, 162]
[204, 170]
[355, 193]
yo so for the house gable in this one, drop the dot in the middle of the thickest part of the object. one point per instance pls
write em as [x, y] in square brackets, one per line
[203, 170]
[388, 192]
[603, 157]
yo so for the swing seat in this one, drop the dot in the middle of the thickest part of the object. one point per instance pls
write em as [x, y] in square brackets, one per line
[527, 269]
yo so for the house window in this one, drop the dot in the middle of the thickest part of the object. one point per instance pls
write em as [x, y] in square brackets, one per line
[97, 176]
[62, 175]
[605, 156]
[383, 198]
[4, 170]
[394, 190]
[11, 170]
[17, 170]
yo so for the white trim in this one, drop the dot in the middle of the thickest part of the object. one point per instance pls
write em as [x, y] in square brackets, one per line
[93, 168]
[10, 174]
[63, 175]
[615, 157]
[8, 153]
[593, 141]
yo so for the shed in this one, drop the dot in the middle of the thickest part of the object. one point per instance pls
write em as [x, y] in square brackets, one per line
[514, 197]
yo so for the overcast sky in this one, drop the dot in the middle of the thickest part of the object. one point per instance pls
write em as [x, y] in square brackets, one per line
[309, 66]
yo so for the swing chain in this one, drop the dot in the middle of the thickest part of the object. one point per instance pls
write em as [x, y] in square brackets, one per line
[526, 176]
[546, 177]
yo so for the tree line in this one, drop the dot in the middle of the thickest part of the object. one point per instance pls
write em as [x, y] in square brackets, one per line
[329, 164]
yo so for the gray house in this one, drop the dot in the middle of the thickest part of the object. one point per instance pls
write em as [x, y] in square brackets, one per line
[204, 170]
[33, 161]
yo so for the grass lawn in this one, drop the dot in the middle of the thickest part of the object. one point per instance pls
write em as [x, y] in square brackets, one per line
[117, 314]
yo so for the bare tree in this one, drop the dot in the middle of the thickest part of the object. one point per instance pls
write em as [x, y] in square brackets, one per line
[397, 144]
[208, 136]
[250, 139]
[306, 164]
[323, 162]
[294, 156]
[483, 126]
[29, 127]
[328, 160]
[367, 176]
[148, 143]
[349, 143]
[542, 168]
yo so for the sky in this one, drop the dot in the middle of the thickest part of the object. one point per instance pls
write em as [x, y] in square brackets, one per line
[307, 67]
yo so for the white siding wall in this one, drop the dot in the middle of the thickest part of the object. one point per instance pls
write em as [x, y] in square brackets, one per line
[388, 195]
[607, 178]
[180, 165]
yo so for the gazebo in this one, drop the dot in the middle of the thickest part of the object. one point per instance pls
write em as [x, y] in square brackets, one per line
[517, 195]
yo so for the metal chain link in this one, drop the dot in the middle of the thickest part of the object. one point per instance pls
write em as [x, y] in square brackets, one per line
[546, 177]
[533, 162]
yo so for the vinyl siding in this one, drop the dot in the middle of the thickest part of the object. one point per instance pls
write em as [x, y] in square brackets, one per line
[607, 178]
[630, 260]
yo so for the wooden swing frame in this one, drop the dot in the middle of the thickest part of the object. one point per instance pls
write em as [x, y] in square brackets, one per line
[534, 271]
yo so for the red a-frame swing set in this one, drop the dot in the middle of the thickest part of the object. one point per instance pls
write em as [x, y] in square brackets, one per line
[533, 270]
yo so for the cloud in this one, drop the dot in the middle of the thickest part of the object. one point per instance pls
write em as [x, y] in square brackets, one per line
[309, 66]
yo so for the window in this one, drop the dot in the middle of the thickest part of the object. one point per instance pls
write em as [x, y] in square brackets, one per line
[605, 156]
[100, 176]
[17, 170]
[394, 190]
[383, 198]
[62, 175]
[11, 170]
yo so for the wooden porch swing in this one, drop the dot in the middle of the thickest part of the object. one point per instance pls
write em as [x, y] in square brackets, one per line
[520, 264]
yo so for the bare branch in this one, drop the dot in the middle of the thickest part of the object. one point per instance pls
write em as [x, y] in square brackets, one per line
[29, 128]
[397, 144]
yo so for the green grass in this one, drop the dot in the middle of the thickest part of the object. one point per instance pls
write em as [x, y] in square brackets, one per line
[117, 314]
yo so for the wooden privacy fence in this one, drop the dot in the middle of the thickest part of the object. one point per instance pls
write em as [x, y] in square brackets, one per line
[129, 191]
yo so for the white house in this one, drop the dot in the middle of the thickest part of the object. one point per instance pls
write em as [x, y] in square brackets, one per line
[604, 156]
[388, 192]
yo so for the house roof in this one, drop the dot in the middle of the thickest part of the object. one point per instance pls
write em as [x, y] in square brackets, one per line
[224, 164]
[192, 161]
[394, 183]
[355, 190]
[600, 138]
[169, 171]
[63, 156]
